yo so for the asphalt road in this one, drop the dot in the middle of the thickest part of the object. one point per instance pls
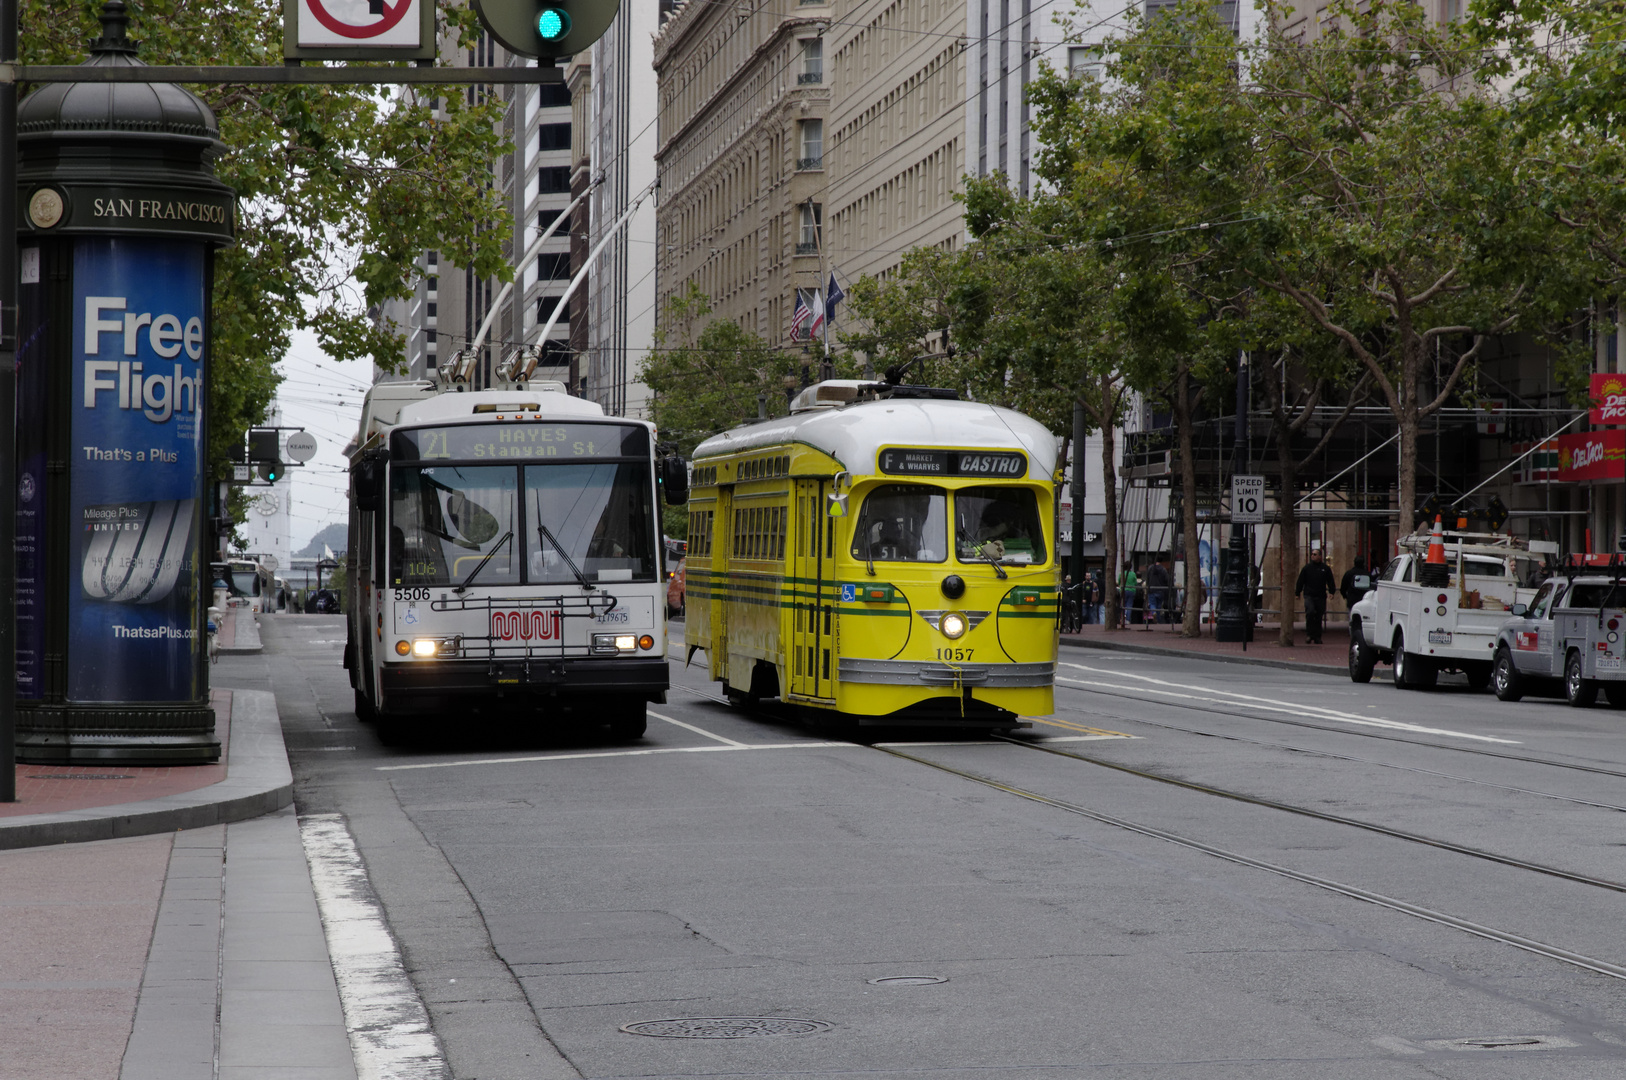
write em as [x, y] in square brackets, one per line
[1424, 885]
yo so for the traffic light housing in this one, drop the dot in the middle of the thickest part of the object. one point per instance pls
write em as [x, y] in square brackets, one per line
[546, 29]
[265, 452]
[271, 471]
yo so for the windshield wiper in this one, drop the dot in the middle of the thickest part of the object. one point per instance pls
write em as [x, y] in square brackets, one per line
[983, 554]
[543, 534]
[507, 536]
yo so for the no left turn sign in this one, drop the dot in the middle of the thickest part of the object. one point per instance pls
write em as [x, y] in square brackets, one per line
[372, 23]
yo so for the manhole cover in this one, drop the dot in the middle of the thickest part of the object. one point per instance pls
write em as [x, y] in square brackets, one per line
[83, 776]
[908, 980]
[1501, 1042]
[725, 1027]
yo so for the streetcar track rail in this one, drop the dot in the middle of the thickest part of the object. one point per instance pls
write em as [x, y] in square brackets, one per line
[1539, 948]
[1309, 751]
[1366, 734]
[1530, 945]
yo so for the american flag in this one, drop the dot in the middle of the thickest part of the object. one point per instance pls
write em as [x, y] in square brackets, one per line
[799, 317]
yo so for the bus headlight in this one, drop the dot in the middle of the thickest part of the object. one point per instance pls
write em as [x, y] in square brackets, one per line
[424, 647]
[952, 625]
[614, 643]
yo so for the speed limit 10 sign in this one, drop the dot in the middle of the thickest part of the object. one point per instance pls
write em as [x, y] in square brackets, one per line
[1248, 500]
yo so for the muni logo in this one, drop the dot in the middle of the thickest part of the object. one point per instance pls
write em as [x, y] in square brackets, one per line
[542, 625]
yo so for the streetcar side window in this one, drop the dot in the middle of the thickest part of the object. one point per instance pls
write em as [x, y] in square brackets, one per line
[446, 519]
[902, 523]
[599, 517]
[998, 523]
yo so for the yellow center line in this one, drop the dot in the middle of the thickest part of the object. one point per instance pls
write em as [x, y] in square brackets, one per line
[1070, 726]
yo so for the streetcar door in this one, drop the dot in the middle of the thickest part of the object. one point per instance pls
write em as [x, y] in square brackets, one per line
[810, 636]
[722, 562]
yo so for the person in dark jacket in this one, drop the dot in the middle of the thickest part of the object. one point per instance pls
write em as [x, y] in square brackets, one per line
[1316, 583]
[1356, 584]
[1159, 585]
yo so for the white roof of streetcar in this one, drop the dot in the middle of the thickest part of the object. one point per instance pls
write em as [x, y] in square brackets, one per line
[827, 417]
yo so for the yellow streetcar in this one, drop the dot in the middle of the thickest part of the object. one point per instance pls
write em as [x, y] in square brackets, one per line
[882, 556]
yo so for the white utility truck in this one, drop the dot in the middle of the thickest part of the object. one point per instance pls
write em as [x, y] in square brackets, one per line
[1425, 618]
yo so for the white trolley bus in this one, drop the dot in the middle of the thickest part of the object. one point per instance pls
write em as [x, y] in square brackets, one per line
[504, 560]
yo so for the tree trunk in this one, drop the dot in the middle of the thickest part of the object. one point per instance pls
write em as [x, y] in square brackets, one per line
[1190, 626]
[1408, 470]
[1109, 493]
[1286, 495]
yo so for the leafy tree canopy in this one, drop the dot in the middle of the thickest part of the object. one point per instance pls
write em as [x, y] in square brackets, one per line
[340, 189]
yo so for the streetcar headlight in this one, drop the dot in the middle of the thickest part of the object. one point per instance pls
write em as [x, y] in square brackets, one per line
[424, 647]
[952, 625]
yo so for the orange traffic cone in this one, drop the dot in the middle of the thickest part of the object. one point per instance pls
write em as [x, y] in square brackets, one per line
[1436, 545]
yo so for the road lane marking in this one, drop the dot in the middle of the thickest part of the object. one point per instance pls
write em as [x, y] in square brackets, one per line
[390, 1036]
[1231, 697]
[609, 754]
[1088, 732]
[697, 731]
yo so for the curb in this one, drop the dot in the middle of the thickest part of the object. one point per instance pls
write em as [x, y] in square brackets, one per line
[247, 636]
[258, 781]
[1221, 658]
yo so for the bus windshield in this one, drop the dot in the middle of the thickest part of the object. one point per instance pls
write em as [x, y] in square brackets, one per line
[445, 519]
[1000, 523]
[245, 581]
[598, 517]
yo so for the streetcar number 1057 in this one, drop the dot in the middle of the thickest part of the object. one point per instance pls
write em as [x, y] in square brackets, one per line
[955, 655]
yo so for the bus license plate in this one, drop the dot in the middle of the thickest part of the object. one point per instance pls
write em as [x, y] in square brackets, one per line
[1439, 637]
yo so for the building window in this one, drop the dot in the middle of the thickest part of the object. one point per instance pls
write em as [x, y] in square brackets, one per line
[553, 266]
[431, 312]
[544, 218]
[430, 335]
[812, 145]
[553, 137]
[553, 180]
[552, 95]
[433, 283]
[807, 241]
[545, 307]
[812, 61]
[1085, 62]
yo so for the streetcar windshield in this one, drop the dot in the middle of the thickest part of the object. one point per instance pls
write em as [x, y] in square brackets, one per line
[598, 517]
[998, 523]
[903, 523]
[445, 520]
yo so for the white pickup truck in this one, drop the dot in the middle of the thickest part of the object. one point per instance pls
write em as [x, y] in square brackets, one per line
[1426, 619]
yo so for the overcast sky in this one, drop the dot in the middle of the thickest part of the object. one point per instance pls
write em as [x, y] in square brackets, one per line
[324, 397]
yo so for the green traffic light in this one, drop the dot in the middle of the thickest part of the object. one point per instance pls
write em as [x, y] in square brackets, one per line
[552, 24]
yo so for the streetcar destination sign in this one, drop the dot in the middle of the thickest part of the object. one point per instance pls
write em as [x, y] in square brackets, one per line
[999, 465]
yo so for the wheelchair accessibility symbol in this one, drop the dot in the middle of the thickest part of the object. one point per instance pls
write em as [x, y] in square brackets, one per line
[849, 593]
[411, 617]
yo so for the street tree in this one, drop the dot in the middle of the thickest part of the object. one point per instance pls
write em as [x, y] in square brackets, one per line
[340, 190]
[1391, 211]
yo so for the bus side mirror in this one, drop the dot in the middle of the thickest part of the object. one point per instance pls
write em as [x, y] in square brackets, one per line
[368, 478]
[675, 480]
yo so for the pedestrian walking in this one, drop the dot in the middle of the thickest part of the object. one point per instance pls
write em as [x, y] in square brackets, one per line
[1127, 584]
[1159, 583]
[1072, 610]
[1093, 596]
[1315, 584]
[1356, 584]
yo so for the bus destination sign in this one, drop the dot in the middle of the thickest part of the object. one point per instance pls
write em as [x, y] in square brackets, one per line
[531, 440]
[998, 465]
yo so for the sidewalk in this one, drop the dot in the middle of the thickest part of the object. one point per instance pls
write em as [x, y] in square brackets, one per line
[1329, 658]
[160, 923]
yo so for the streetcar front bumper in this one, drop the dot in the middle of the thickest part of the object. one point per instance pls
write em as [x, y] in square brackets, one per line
[444, 684]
